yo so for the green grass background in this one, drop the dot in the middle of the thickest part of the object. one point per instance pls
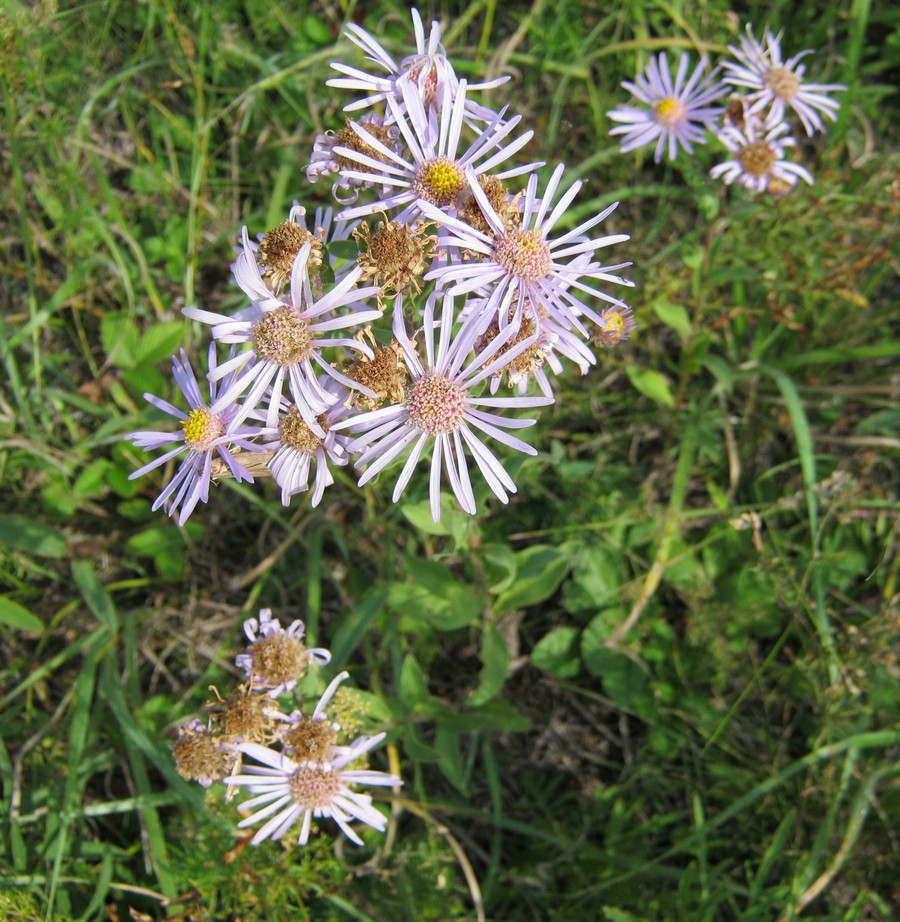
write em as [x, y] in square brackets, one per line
[661, 684]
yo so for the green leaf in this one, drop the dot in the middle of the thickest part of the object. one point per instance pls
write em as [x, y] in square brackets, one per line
[499, 566]
[17, 616]
[651, 384]
[599, 629]
[450, 760]
[159, 342]
[557, 652]
[413, 690]
[495, 659]
[93, 479]
[343, 249]
[419, 515]
[435, 596]
[495, 715]
[623, 679]
[674, 316]
[31, 537]
[120, 339]
[540, 571]
[94, 593]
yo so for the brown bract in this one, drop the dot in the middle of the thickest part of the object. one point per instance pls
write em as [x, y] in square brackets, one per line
[385, 374]
[395, 256]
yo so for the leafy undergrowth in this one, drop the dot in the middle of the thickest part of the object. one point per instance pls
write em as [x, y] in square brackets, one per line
[661, 683]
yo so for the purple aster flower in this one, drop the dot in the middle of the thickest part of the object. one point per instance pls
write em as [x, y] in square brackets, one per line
[440, 408]
[679, 113]
[298, 450]
[286, 339]
[525, 260]
[759, 156]
[208, 429]
[287, 790]
[313, 780]
[436, 170]
[428, 70]
[778, 83]
[276, 658]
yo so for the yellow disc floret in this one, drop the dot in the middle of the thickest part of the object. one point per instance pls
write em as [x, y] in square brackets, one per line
[669, 111]
[439, 181]
[201, 429]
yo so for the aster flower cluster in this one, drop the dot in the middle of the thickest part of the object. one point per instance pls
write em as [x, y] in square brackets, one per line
[302, 766]
[382, 334]
[749, 109]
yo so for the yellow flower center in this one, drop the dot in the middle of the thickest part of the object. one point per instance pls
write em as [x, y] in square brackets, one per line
[201, 429]
[669, 111]
[439, 181]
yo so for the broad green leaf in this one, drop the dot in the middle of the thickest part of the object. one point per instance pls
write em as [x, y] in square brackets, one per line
[651, 384]
[499, 566]
[674, 316]
[344, 249]
[160, 342]
[598, 631]
[17, 616]
[419, 515]
[557, 652]
[120, 339]
[93, 479]
[31, 537]
[413, 689]
[450, 760]
[435, 596]
[495, 660]
[623, 679]
[540, 571]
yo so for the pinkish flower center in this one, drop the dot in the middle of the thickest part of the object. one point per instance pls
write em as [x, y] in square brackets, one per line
[757, 158]
[524, 253]
[201, 429]
[282, 337]
[782, 82]
[435, 405]
[313, 788]
[669, 111]
[439, 181]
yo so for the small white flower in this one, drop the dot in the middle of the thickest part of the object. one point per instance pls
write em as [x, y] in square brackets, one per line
[209, 428]
[428, 70]
[526, 261]
[759, 162]
[778, 83]
[276, 658]
[287, 790]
